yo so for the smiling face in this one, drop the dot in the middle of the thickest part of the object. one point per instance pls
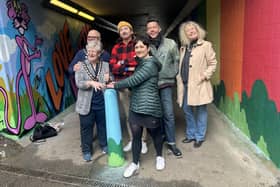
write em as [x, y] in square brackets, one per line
[125, 32]
[153, 29]
[93, 55]
[93, 35]
[20, 24]
[141, 50]
[94, 49]
[191, 32]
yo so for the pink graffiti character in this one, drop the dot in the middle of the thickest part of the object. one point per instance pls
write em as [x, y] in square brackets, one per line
[19, 14]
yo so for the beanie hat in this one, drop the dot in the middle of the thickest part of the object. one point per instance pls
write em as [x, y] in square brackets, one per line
[124, 23]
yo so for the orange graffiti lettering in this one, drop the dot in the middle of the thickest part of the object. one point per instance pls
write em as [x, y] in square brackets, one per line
[56, 96]
[61, 58]
[58, 68]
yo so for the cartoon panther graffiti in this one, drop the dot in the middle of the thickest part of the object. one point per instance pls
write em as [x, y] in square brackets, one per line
[18, 12]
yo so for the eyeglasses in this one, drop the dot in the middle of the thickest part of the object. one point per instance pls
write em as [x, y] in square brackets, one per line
[93, 37]
[92, 51]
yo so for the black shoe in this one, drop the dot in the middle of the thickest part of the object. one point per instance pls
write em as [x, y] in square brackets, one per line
[186, 140]
[176, 152]
[197, 144]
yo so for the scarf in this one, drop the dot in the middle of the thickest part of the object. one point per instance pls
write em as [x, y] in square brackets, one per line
[156, 41]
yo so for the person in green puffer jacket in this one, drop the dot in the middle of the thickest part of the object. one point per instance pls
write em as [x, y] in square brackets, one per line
[145, 107]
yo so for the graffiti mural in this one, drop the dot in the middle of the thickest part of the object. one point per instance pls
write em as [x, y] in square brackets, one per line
[18, 12]
[62, 54]
[35, 54]
[248, 92]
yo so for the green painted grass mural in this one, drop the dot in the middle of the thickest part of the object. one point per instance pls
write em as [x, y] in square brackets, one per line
[231, 108]
[256, 116]
[263, 120]
[115, 156]
[24, 102]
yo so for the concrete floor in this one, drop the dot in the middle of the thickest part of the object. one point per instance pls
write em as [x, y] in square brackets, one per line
[226, 159]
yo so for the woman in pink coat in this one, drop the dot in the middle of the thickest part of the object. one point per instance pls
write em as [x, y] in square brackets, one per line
[197, 65]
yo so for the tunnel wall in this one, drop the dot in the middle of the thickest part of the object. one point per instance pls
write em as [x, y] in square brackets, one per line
[36, 48]
[213, 22]
[248, 91]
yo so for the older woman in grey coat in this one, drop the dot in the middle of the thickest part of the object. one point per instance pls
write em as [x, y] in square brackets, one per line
[90, 80]
[197, 65]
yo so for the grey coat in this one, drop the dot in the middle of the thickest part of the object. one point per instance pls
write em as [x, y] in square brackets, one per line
[168, 55]
[83, 102]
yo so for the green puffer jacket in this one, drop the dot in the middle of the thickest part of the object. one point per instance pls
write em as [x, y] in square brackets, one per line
[144, 88]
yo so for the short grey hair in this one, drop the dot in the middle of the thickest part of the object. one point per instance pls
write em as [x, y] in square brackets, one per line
[183, 37]
[94, 44]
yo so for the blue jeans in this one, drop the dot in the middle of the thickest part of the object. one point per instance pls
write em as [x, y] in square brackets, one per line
[87, 123]
[196, 120]
[168, 114]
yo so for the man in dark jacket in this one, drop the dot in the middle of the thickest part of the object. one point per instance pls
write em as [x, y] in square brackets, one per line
[166, 51]
[81, 55]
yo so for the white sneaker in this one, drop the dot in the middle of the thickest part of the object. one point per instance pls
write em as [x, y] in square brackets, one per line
[128, 147]
[160, 163]
[131, 170]
[144, 149]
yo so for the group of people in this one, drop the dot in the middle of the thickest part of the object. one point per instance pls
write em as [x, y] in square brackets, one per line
[144, 70]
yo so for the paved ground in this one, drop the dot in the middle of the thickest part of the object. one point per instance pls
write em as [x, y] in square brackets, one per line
[226, 159]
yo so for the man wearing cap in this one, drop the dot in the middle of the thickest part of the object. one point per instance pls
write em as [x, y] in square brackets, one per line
[123, 64]
[166, 51]
[80, 56]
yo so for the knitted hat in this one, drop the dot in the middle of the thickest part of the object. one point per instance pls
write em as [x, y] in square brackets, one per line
[124, 23]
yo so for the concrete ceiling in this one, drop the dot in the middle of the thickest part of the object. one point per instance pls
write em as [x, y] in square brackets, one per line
[137, 11]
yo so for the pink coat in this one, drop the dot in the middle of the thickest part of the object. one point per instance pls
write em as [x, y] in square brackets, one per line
[202, 65]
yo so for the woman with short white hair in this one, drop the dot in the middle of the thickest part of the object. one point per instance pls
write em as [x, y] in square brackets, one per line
[90, 80]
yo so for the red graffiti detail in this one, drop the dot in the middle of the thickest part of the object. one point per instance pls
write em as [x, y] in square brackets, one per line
[82, 41]
[55, 95]
[61, 57]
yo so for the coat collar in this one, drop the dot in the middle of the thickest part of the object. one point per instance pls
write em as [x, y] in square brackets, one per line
[198, 43]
